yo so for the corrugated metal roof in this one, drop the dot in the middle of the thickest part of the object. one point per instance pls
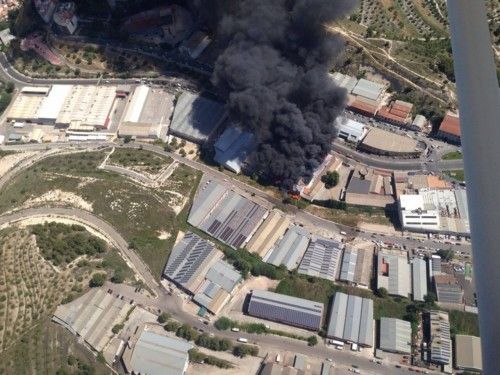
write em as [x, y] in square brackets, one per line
[196, 117]
[136, 104]
[53, 103]
[365, 336]
[393, 273]
[348, 264]
[337, 316]
[419, 278]
[353, 318]
[395, 335]
[155, 354]
[290, 248]
[321, 258]
[286, 309]
[207, 198]
[224, 275]
[188, 259]
[368, 89]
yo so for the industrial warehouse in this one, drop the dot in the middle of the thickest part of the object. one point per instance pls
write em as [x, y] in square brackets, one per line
[225, 215]
[351, 320]
[435, 210]
[197, 267]
[196, 118]
[395, 335]
[393, 273]
[357, 262]
[268, 233]
[280, 308]
[290, 248]
[322, 259]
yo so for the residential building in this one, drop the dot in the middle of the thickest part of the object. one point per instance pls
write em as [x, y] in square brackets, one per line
[393, 273]
[449, 129]
[468, 353]
[285, 309]
[395, 335]
[65, 17]
[322, 258]
[351, 319]
[397, 112]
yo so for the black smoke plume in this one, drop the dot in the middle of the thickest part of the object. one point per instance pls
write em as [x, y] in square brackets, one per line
[274, 73]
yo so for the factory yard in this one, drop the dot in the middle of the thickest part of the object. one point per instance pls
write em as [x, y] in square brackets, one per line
[148, 217]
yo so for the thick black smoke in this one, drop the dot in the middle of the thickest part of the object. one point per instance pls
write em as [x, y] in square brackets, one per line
[274, 72]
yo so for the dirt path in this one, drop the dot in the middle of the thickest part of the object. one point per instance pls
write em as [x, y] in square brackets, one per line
[370, 53]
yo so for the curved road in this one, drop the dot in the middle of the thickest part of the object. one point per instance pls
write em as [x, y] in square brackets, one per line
[301, 216]
[173, 304]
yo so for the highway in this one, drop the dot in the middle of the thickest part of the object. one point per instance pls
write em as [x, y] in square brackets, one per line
[173, 303]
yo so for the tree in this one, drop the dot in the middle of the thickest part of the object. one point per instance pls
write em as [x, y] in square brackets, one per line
[244, 350]
[382, 292]
[330, 179]
[312, 340]
[117, 328]
[223, 323]
[118, 277]
[127, 139]
[430, 298]
[163, 317]
[97, 280]
[447, 255]
[171, 326]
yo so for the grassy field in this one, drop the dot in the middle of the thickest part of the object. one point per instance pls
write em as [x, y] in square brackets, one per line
[139, 160]
[351, 217]
[5, 153]
[457, 174]
[464, 323]
[52, 350]
[454, 155]
[144, 216]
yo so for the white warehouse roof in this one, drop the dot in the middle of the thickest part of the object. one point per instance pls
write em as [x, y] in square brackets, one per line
[53, 102]
[136, 104]
[395, 335]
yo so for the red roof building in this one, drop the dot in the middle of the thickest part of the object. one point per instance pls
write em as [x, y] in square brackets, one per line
[397, 113]
[363, 107]
[450, 128]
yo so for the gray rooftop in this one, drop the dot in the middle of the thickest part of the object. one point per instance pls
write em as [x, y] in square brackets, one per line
[368, 89]
[286, 309]
[225, 215]
[393, 273]
[395, 335]
[290, 248]
[196, 117]
[359, 186]
[188, 259]
[348, 267]
[224, 275]
[155, 354]
[322, 258]
[351, 319]
[419, 279]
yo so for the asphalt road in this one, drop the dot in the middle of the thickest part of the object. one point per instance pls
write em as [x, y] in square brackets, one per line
[300, 216]
[173, 303]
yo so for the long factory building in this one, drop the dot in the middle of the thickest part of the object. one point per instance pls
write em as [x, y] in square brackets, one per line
[285, 309]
